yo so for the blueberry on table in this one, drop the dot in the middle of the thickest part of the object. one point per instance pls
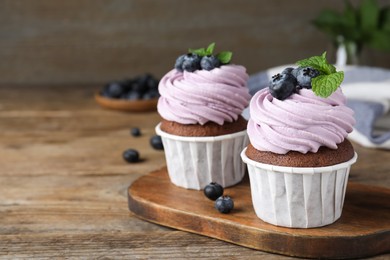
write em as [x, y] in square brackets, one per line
[213, 191]
[209, 62]
[224, 204]
[305, 75]
[191, 62]
[282, 86]
[156, 142]
[131, 155]
[135, 131]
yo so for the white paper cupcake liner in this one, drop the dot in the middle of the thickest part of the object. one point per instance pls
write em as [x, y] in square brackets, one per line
[298, 197]
[194, 162]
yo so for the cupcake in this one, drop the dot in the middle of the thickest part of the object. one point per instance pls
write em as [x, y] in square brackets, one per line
[298, 157]
[202, 129]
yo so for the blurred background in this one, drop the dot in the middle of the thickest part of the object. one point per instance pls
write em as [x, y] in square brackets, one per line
[95, 41]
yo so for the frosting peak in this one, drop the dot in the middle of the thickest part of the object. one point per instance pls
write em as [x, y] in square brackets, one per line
[201, 96]
[303, 122]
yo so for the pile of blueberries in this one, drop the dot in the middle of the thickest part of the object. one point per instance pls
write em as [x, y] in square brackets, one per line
[290, 80]
[143, 87]
[214, 191]
[191, 62]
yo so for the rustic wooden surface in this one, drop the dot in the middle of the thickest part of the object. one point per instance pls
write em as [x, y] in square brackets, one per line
[363, 229]
[46, 41]
[63, 183]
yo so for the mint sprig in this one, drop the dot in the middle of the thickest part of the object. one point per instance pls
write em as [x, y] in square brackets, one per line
[325, 85]
[224, 56]
[329, 79]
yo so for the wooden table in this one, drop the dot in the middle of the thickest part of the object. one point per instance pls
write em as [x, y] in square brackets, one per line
[63, 181]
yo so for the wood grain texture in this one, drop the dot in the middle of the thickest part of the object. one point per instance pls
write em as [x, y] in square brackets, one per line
[75, 41]
[363, 229]
[63, 182]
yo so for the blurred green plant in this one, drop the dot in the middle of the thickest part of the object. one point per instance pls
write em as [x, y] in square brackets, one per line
[355, 27]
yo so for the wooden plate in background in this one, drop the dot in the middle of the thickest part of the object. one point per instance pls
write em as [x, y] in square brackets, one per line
[126, 105]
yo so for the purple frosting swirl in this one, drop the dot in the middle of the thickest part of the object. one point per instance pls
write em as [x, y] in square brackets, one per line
[219, 95]
[303, 122]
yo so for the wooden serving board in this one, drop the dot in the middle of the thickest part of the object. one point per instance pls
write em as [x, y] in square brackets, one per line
[363, 229]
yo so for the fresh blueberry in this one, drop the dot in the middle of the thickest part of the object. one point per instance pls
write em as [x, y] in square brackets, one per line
[143, 80]
[213, 191]
[209, 62]
[133, 95]
[156, 142]
[152, 83]
[287, 70]
[224, 204]
[191, 62]
[305, 75]
[151, 94]
[126, 84]
[137, 87]
[282, 86]
[179, 63]
[135, 131]
[113, 90]
[131, 155]
[294, 72]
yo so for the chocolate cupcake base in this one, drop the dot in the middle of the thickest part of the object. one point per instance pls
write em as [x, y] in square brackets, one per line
[208, 129]
[323, 157]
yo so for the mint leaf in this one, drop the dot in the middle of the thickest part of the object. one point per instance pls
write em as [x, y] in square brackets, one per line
[319, 63]
[225, 56]
[210, 49]
[201, 52]
[325, 85]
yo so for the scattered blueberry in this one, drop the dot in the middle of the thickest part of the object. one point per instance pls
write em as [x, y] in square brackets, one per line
[135, 131]
[282, 86]
[305, 75]
[131, 155]
[156, 142]
[209, 62]
[224, 204]
[213, 191]
[287, 70]
[191, 62]
[179, 62]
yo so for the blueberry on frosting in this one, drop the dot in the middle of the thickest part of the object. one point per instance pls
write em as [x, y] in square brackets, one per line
[191, 62]
[305, 75]
[313, 73]
[210, 62]
[282, 86]
[202, 58]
